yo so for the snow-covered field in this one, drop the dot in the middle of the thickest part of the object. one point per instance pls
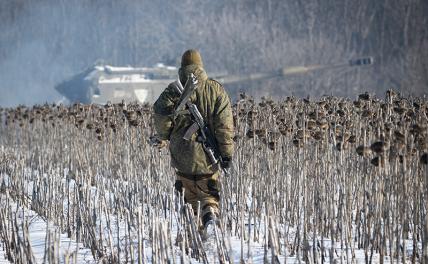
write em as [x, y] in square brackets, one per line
[43, 235]
[39, 233]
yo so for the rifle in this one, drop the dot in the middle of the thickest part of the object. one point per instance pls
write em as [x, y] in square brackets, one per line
[205, 137]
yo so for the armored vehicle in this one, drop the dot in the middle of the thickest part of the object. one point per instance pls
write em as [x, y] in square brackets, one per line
[104, 83]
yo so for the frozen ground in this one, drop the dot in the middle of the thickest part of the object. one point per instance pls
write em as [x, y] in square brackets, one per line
[2, 255]
[38, 230]
[68, 251]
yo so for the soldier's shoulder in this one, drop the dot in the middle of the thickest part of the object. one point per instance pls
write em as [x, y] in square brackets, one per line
[171, 89]
[171, 86]
[168, 95]
[214, 81]
[216, 85]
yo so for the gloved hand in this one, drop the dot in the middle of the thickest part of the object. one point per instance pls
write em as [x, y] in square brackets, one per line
[226, 163]
[155, 141]
[162, 143]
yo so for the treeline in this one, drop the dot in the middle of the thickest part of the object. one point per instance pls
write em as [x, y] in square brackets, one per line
[43, 42]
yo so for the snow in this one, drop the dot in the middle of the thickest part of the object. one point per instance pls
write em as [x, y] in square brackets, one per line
[121, 70]
[3, 259]
[40, 229]
[130, 78]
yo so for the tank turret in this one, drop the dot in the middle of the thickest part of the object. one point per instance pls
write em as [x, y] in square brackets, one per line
[103, 83]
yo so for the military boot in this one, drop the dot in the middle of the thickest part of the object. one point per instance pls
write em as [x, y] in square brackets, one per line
[210, 222]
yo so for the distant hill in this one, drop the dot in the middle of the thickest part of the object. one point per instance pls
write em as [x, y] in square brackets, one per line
[42, 42]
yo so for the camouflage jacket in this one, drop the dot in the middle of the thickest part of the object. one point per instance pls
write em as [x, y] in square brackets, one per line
[188, 157]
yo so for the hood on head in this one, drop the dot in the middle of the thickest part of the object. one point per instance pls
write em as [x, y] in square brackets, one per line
[197, 70]
[190, 57]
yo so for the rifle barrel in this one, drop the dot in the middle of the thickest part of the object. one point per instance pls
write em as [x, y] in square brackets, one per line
[288, 71]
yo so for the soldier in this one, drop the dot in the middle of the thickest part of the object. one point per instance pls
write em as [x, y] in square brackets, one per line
[197, 176]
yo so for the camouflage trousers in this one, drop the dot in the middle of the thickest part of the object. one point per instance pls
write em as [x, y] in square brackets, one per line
[200, 188]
